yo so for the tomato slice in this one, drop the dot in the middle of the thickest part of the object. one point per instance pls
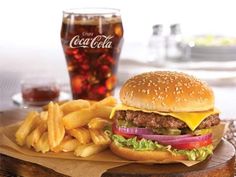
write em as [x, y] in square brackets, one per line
[192, 145]
[123, 134]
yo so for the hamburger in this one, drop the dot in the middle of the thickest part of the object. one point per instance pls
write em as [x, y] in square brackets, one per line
[164, 116]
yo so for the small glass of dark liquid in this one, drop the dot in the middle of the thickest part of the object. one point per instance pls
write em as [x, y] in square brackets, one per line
[39, 91]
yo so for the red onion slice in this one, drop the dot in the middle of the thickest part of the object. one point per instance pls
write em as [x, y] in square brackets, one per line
[165, 137]
[135, 130]
[186, 139]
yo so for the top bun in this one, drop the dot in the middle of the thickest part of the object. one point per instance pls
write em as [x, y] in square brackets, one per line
[167, 91]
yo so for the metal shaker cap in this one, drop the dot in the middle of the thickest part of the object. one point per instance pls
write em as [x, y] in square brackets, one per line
[175, 29]
[157, 29]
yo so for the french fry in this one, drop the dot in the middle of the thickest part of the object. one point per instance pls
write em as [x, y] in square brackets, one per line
[43, 144]
[58, 147]
[81, 134]
[98, 123]
[26, 127]
[74, 105]
[99, 137]
[56, 130]
[89, 149]
[44, 115]
[91, 102]
[78, 118]
[108, 101]
[83, 116]
[45, 108]
[73, 126]
[35, 135]
[102, 111]
[68, 144]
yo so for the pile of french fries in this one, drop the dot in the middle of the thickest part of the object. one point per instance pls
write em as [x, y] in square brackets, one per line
[75, 126]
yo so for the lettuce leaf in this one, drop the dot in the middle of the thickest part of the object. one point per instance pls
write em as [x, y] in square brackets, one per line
[149, 145]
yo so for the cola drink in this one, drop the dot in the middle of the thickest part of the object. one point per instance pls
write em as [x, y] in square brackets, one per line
[92, 40]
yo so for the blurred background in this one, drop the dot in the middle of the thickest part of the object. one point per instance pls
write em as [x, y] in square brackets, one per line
[197, 37]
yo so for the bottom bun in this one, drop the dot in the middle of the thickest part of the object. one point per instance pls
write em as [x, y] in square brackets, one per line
[131, 154]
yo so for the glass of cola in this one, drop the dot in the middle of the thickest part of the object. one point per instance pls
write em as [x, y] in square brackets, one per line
[92, 39]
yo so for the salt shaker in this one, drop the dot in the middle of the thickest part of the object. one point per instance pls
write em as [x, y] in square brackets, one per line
[156, 46]
[174, 51]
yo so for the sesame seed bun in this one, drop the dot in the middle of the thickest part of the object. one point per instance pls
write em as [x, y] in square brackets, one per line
[132, 154]
[167, 91]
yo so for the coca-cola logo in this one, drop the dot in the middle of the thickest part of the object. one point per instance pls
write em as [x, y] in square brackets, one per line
[90, 41]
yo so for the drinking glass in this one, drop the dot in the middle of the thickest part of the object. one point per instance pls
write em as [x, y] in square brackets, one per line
[92, 39]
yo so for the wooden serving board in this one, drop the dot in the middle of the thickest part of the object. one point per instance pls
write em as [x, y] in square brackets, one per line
[220, 164]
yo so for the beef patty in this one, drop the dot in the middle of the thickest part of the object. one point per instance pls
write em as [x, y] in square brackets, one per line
[154, 120]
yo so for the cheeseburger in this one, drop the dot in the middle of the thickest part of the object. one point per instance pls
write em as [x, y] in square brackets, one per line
[164, 116]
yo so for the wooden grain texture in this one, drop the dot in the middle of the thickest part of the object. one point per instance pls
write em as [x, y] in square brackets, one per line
[221, 164]
[22, 168]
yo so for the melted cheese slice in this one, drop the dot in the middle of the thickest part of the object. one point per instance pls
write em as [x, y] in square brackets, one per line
[192, 119]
